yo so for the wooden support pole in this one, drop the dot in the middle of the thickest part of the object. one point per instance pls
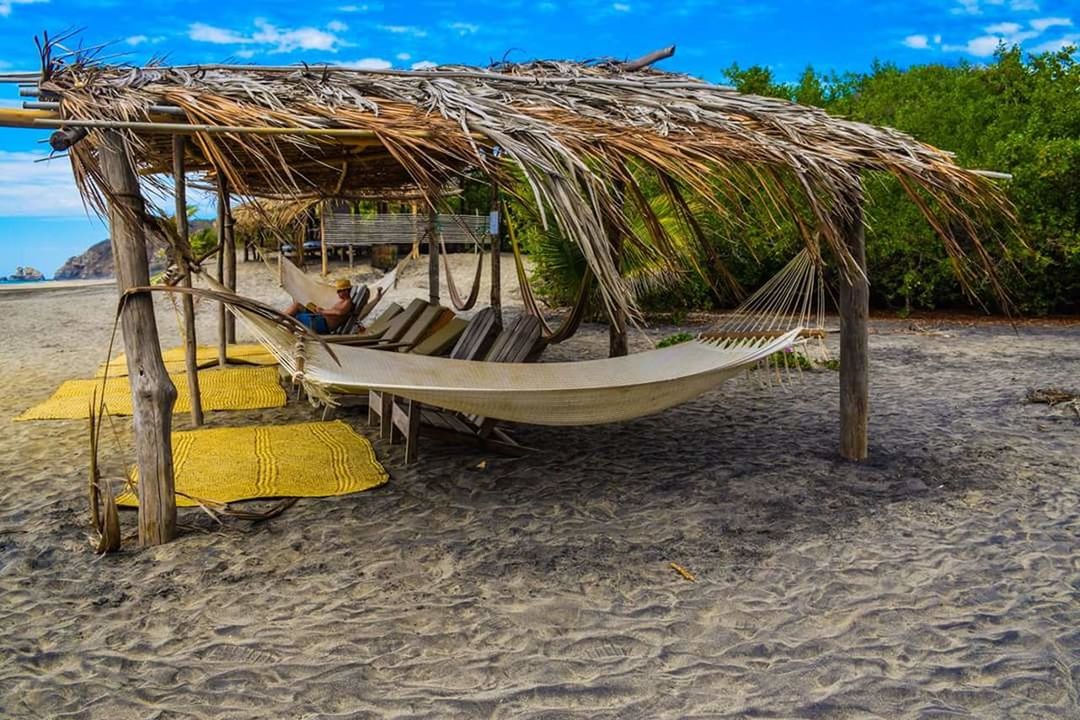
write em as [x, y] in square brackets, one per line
[229, 247]
[222, 349]
[152, 392]
[322, 240]
[433, 256]
[618, 345]
[854, 306]
[496, 256]
[187, 301]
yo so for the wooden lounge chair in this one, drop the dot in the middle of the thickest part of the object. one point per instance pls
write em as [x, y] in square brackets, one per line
[472, 343]
[401, 420]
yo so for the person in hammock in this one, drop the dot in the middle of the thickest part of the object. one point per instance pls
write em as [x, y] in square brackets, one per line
[325, 319]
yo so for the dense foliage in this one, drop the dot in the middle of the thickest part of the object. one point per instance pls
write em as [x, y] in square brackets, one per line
[1019, 114]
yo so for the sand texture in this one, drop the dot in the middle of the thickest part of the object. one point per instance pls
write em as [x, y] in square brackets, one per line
[940, 579]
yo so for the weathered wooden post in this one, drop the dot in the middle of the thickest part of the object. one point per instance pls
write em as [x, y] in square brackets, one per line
[188, 302]
[222, 240]
[433, 256]
[617, 340]
[496, 219]
[229, 246]
[854, 305]
[152, 392]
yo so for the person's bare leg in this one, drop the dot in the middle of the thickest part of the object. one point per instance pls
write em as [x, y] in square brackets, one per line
[294, 309]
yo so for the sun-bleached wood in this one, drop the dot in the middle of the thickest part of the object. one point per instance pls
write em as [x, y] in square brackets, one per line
[153, 393]
[854, 305]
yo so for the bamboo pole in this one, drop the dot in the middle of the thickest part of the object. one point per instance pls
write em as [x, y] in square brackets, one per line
[188, 302]
[222, 349]
[496, 256]
[433, 256]
[854, 306]
[152, 392]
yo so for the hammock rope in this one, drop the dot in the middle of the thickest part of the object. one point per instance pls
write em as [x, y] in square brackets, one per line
[455, 296]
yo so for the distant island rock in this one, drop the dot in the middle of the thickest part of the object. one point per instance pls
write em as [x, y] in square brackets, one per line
[22, 274]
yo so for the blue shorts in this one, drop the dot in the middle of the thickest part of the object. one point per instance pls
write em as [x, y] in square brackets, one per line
[315, 321]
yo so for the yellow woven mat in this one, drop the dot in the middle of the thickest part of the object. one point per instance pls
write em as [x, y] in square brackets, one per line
[305, 460]
[222, 389]
[205, 356]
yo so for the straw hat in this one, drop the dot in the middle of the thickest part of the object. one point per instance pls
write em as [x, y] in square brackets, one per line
[343, 284]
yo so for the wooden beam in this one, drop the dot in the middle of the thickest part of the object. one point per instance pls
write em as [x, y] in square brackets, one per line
[187, 301]
[153, 393]
[854, 306]
[433, 256]
[648, 59]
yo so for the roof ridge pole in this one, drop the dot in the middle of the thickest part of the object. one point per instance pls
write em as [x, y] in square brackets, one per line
[853, 300]
[182, 260]
[152, 391]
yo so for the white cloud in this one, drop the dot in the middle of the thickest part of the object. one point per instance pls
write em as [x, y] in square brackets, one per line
[37, 189]
[281, 40]
[136, 40]
[336, 26]
[369, 64]
[366, 7]
[201, 32]
[1059, 44]
[464, 28]
[6, 6]
[620, 7]
[403, 56]
[1044, 24]
[982, 46]
[1005, 28]
[919, 42]
[423, 65]
[411, 30]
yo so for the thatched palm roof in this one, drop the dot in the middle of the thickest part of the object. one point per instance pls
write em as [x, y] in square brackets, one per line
[582, 138]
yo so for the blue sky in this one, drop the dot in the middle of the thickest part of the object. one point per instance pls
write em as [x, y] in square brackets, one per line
[785, 35]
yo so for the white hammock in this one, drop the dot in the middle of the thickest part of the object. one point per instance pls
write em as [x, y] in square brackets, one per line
[574, 393]
[565, 393]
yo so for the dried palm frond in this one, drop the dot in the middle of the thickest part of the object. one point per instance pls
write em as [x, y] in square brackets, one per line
[582, 137]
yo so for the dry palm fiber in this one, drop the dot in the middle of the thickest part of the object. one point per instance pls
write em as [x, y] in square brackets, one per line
[222, 465]
[222, 389]
[205, 356]
[571, 133]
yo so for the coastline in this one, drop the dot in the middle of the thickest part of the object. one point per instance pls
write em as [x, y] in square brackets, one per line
[32, 286]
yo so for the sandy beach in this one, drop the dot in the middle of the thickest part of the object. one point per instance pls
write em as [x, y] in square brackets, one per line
[940, 579]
